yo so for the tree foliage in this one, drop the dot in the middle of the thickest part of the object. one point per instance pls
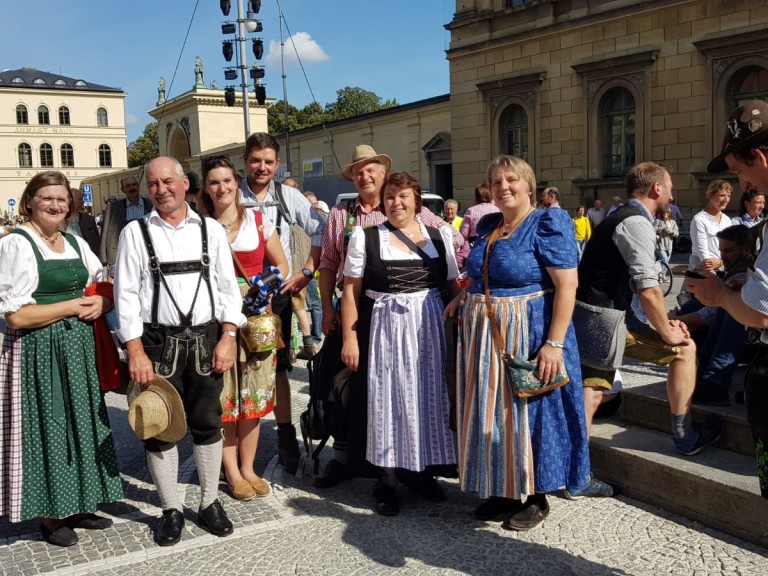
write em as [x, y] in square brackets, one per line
[350, 101]
[145, 147]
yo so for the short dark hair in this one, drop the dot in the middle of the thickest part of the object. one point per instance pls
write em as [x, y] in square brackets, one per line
[738, 234]
[401, 181]
[41, 180]
[260, 141]
[482, 193]
[748, 196]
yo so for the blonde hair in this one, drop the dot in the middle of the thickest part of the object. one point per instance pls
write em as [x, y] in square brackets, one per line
[517, 166]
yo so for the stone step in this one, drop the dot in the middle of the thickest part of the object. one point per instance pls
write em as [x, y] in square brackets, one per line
[647, 406]
[717, 487]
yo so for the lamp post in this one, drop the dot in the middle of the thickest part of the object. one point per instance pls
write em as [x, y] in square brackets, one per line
[285, 94]
[245, 23]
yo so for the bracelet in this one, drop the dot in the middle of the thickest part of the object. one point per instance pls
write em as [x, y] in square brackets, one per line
[554, 343]
[229, 333]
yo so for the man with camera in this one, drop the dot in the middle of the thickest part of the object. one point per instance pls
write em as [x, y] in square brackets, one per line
[744, 153]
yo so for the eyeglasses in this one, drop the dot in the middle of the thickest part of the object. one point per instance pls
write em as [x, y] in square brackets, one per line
[48, 200]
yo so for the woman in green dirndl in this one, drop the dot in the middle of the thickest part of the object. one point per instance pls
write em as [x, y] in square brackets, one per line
[57, 459]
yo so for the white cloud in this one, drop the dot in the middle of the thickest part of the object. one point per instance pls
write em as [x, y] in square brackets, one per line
[309, 50]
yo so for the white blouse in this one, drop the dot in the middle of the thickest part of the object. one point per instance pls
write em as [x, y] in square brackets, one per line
[247, 238]
[18, 271]
[354, 265]
[704, 241]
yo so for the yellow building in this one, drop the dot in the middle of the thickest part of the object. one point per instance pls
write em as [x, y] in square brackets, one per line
[52, 122]
[585, 89]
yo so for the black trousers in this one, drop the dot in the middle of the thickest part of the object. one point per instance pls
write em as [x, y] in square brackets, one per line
[184, 357]
[756, 399]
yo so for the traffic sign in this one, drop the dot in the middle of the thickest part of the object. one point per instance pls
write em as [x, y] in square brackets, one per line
[87, 197]
[85, 189]
[11, 202]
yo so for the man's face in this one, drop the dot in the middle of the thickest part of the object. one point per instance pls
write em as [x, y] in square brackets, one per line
[598, 204]
[751, 175]
[130, 187]
[166, 186]
[731, 253]
[260, 166]
[368, 179]
[665, 191]
[450, 211]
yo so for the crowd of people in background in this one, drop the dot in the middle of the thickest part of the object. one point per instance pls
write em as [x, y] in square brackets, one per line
[440, 320]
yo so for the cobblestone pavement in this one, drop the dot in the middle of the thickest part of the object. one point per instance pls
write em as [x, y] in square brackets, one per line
[298, 529]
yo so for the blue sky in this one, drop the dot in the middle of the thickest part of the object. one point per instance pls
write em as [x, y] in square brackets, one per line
[395, 49]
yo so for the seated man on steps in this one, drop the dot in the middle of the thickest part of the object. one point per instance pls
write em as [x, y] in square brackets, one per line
[618, 270]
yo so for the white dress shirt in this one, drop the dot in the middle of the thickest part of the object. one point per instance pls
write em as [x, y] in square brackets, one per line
[134, 287]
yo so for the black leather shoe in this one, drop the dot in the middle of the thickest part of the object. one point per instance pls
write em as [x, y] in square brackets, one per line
[89, 521]
[533, 514]
[288, 453]
[169, 527]
[386, 500]
[63, 536]
[495, 506]
[214, 519]
[335, 472]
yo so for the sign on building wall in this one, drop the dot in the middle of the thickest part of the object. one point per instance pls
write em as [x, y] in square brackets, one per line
[312, 168]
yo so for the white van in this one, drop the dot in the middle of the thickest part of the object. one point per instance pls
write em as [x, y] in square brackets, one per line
[433, 202]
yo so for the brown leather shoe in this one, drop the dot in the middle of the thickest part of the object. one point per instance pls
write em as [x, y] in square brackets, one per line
[242, 490]
[260, 486]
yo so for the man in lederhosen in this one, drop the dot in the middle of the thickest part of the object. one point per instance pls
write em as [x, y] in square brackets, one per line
[178, 307]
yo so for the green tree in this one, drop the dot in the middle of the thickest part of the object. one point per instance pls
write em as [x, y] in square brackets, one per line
[145, 147]
[276, 118]
[353, 101]
[311, 115]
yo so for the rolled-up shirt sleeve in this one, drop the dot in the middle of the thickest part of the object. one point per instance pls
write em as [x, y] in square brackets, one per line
[635, 238]
[754, 293]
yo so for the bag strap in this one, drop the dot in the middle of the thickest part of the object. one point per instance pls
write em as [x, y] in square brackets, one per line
[497, 337]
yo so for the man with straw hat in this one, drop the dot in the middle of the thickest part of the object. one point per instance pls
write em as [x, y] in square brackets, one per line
[367, 170]
[178, 306]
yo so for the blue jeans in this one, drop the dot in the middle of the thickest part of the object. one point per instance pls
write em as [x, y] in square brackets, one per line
[315, 309]
[721, 351]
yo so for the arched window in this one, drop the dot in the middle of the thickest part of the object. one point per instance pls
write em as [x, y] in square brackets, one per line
[67, 156]
[101, 117]
[21, 114]
[618, 116]
[46, 155]
[43, 117]
[63, 115]
[750, 83]
[25, 155]
[513, 137]
[105, 156]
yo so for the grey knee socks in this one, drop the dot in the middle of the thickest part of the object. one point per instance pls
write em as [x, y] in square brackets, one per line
[164, 468]
[208, 462]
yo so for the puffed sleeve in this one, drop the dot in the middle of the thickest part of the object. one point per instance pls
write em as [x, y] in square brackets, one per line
[355, 262]
[555, 240]
[18, 274]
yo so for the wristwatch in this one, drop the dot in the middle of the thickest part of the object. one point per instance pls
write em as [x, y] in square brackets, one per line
[307, 272]
[229, 333]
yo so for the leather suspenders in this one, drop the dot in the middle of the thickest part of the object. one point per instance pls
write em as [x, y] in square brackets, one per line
[160, 270]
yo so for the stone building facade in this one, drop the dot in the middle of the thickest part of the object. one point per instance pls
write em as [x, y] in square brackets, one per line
[53, 122]
[584, 89]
